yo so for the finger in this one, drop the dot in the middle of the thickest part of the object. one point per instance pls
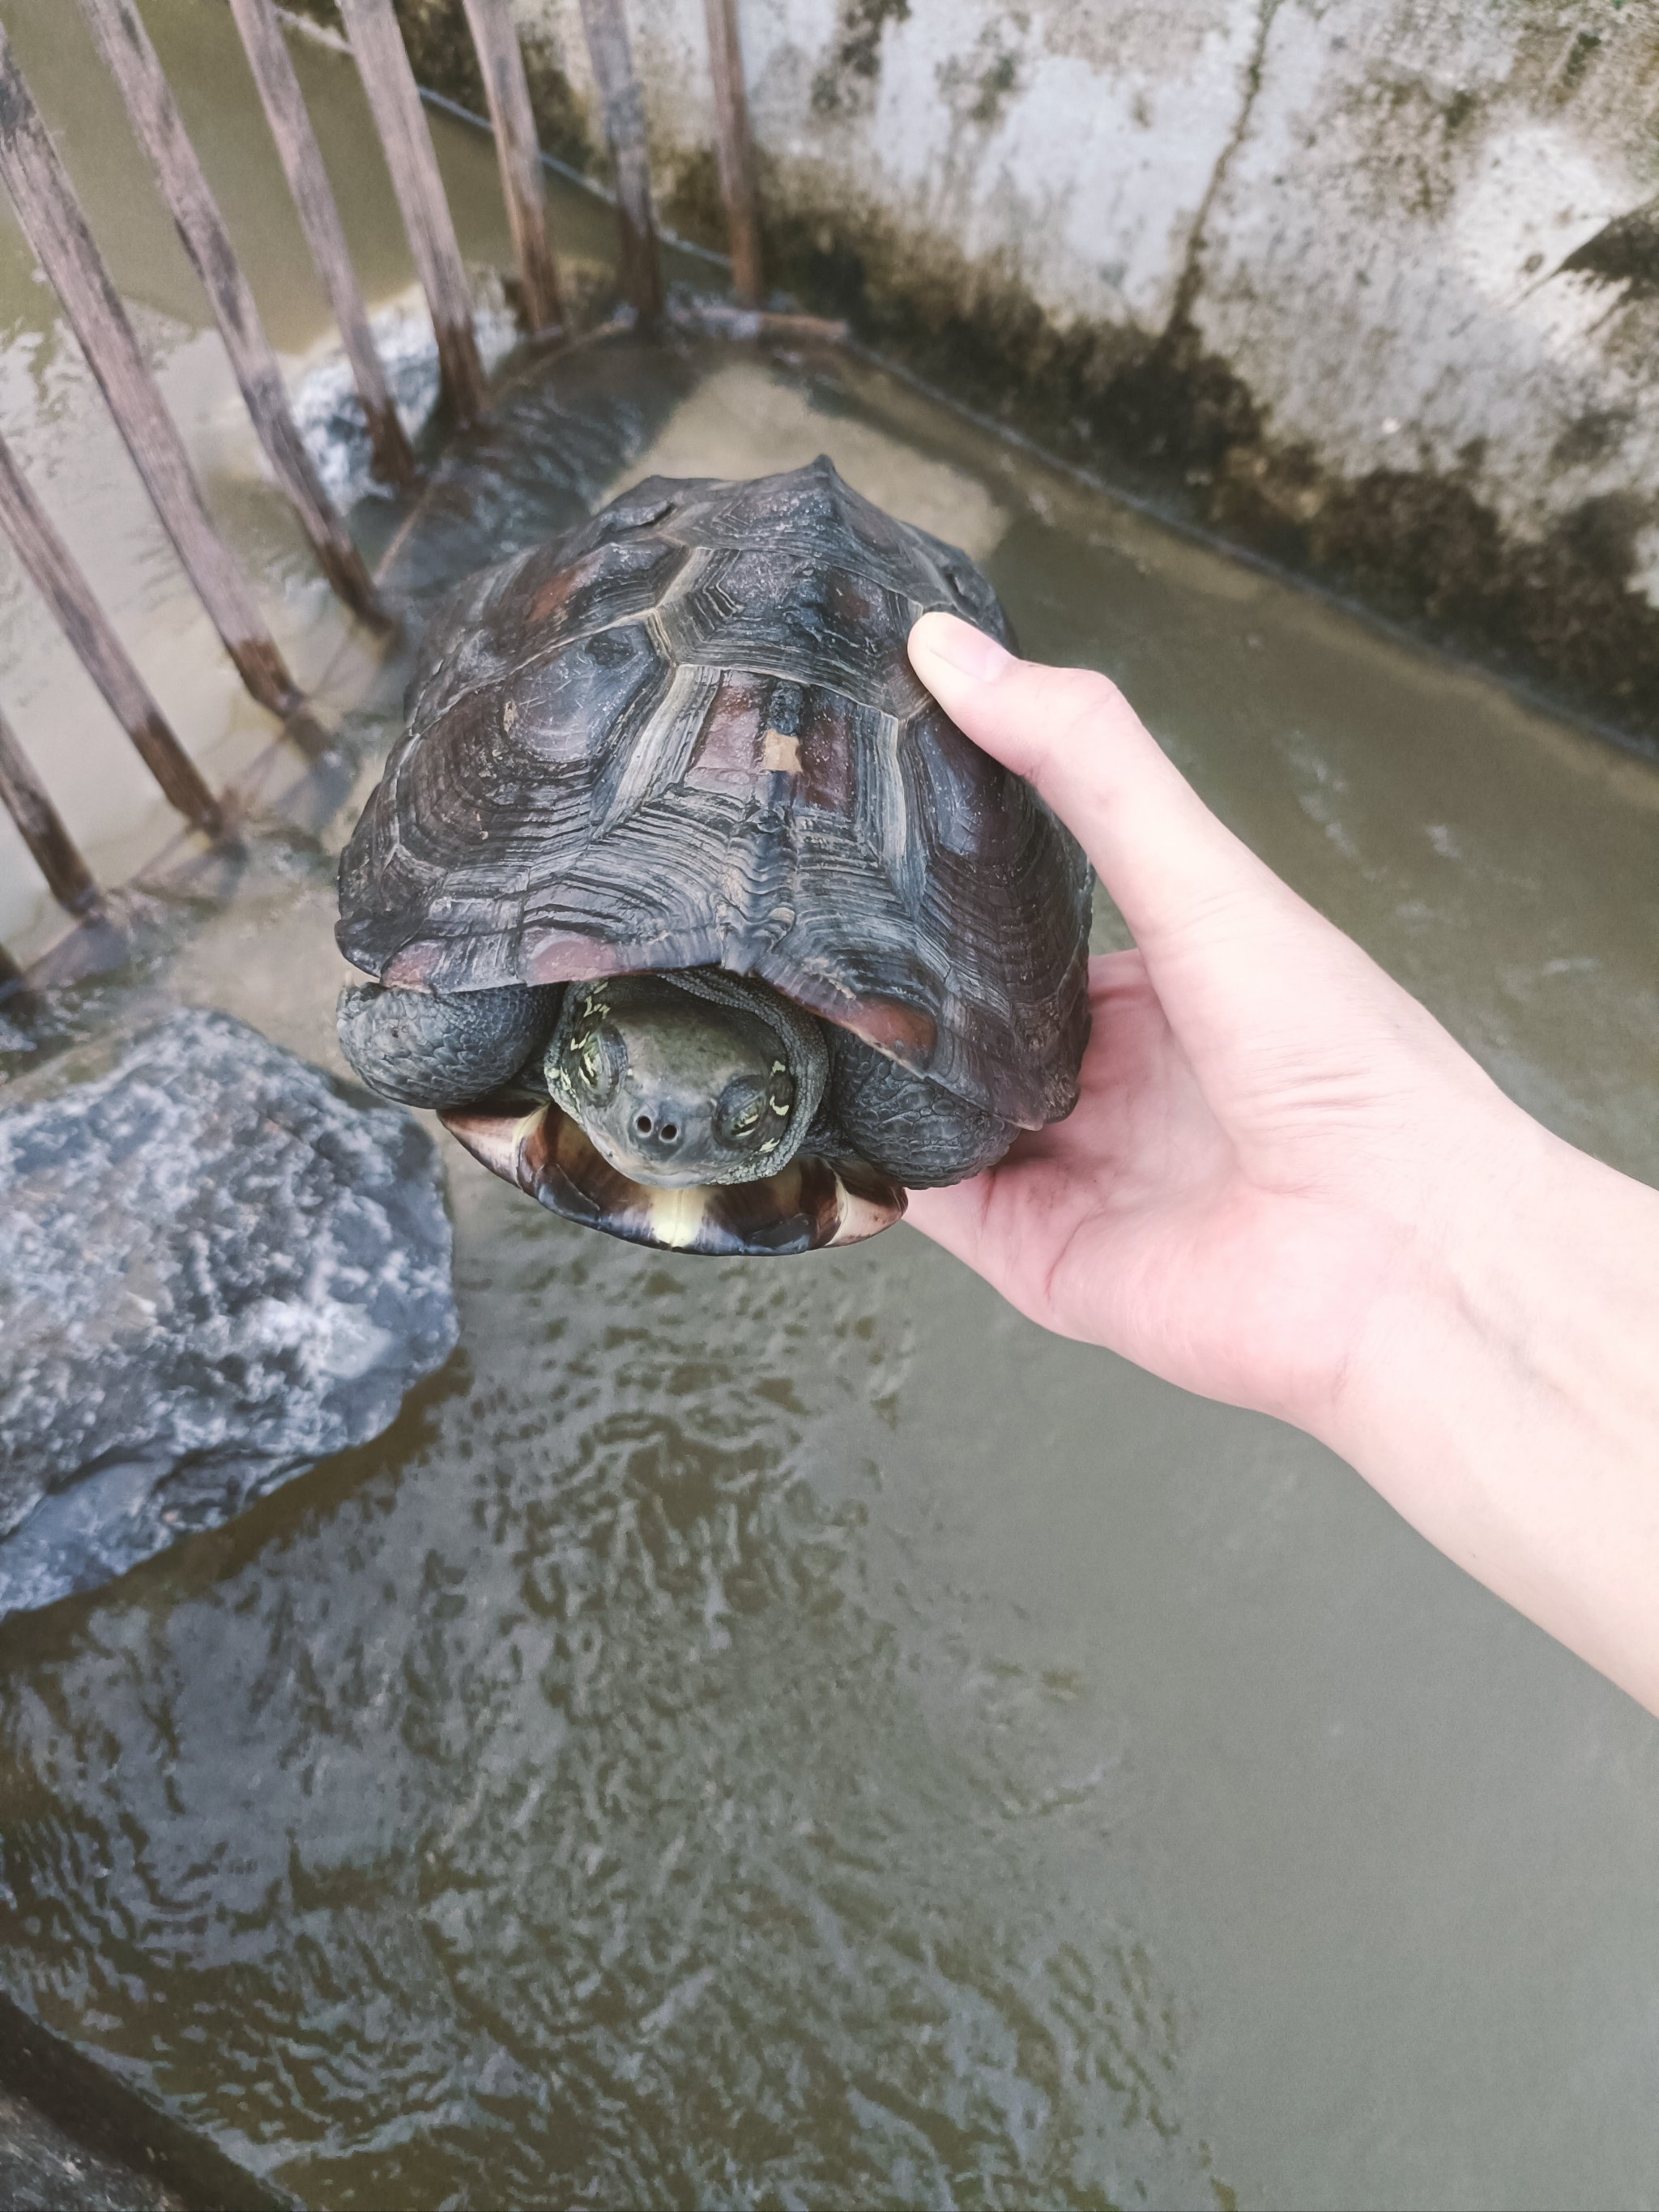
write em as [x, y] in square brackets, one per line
[1161, 853]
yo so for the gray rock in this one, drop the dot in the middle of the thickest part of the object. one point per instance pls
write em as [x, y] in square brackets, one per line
[214, 1269]
[42, 2169]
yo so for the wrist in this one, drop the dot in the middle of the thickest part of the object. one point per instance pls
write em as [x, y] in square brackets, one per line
[1429, 1250]
[1505, 1397]
[1477, 1265]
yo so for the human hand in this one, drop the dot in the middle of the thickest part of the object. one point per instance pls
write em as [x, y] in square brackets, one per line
[1271, 1133]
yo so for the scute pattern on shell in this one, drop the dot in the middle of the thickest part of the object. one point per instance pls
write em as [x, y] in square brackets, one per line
[688, 733]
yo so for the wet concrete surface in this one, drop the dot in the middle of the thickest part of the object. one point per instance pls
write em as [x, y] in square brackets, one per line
[791, 1733]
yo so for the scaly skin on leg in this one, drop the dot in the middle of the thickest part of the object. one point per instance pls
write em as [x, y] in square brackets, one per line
[427, 1050]
[900, 1122]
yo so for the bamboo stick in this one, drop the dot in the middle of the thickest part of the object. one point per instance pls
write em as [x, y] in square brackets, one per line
[133, 62]
[57, 229]
[41, 827]
[320, 218]
[735, 151]
[395, 101]
[641, 261]
[519, 155]
[60, 581]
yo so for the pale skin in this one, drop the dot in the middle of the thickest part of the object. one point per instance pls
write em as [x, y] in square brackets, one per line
[1286, 1186]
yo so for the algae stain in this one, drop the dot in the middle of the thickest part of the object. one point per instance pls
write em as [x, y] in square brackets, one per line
[1583, 50]
[689, 194]
[845, 85]
[1623, 252]
[994, 87]
[1592, 437]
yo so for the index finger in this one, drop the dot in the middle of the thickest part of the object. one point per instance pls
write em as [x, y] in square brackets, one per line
[1159, 850]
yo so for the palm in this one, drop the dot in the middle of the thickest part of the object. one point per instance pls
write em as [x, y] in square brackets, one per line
[1135, 1223]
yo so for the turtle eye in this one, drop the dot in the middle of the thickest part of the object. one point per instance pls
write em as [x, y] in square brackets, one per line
[740, 1117]
[592, 1063]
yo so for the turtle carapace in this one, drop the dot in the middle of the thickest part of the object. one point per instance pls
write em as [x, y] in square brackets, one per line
[686, 905]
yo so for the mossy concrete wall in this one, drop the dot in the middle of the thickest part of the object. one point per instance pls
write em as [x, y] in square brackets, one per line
[1372, 285]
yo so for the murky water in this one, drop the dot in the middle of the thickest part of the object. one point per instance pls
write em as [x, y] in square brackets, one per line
[791, 1734]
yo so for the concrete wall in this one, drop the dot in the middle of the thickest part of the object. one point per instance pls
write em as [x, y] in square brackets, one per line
[1372, 284]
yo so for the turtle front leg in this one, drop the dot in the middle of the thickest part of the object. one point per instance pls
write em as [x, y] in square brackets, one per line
[904, 1125]
[427, 1050]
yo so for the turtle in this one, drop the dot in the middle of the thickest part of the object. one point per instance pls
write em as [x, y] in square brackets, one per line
[685, 903]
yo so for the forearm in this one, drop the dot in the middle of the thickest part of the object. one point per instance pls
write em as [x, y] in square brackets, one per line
[1506, 1401]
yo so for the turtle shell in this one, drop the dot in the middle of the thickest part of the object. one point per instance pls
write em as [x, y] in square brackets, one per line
[688, 734]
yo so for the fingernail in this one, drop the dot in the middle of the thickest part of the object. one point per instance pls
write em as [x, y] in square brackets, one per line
[964, 649]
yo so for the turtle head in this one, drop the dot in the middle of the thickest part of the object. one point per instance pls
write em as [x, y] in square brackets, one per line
[683, 1079]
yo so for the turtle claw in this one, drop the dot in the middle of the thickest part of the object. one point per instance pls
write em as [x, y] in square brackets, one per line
[812, 1204]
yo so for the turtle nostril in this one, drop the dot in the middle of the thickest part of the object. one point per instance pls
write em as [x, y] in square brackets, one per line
[668, 1132]
[642, 1123]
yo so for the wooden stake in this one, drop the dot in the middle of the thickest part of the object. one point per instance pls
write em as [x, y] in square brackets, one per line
[131, 61]
[55, 226]
[640, 269]
[62, 584]
[400, 119]
[519, 155]
[41, 827]
[320, 218]
[735, 150]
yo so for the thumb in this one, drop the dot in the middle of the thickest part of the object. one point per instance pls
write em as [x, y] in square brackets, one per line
[1164, 859]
